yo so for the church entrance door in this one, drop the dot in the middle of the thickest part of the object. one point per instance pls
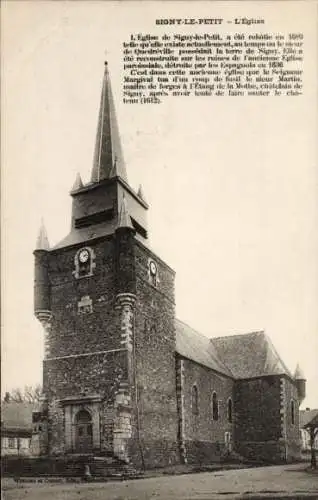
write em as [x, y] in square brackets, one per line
[84, 432]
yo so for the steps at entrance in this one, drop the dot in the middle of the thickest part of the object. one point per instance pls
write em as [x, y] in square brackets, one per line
[111, 467]
[83, 466]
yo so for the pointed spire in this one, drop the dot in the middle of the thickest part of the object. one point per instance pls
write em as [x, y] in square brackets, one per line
[108, 156]
[124, 217]
[78, 184]
[141, 193]
[299, 374]
[42, 242]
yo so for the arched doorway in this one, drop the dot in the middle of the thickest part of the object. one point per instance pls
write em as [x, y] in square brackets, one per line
[83, 432]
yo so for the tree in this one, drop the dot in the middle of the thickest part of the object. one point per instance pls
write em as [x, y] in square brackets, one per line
[6, 398]
[30, 394]
[16, 395]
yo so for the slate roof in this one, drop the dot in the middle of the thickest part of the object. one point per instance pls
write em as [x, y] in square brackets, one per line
[197, 347]
[239, 356]
[17, 415]
[85, 234]
[250, 355]
[307, 416]
[108, 155]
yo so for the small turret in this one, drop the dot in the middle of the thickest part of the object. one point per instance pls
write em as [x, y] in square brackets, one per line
[141, 193]
[300, 380]
[124, 220]
[42, 305]
[42, 241]
[78, 184]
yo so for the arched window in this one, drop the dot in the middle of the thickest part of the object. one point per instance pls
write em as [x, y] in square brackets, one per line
[195, 400]
[292, 410]
[215, 407]
[229, 409]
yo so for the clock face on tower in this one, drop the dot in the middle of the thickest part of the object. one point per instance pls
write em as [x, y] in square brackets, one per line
[153, 268]
[83, 256]
[84, 261]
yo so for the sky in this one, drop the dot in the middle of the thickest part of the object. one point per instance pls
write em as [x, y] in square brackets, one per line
[231, 182]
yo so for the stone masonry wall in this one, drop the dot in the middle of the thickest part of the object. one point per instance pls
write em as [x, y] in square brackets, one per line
[85, 350]
[290, 429]
[155, 419]
[100, 373]
[258, 431]
[205, 437]
[181, 407]
[72, 331]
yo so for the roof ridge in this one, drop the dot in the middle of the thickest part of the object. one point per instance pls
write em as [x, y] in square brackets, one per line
[270, 342]
[202, 350]
[196, 331]
[258, 332]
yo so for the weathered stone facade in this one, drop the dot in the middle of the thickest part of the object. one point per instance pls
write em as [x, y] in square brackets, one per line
[204, 436]
[122, 377]
[258, 419]
[290, 419]
[155, 361]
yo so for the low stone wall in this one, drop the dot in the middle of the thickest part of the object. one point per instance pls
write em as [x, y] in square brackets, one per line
[42, 466]
[76, 466]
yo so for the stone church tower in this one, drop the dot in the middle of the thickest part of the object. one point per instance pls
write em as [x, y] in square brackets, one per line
[126, 382]
[106, 303]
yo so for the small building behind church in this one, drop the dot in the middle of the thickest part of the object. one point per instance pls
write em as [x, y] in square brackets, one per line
[123, 378]
[17, 428]
[306, 417]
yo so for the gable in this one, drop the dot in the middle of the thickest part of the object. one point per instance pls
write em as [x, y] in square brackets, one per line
[239, 356]
[250, 355]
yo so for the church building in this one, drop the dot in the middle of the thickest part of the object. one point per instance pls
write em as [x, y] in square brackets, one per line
[122, 376]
